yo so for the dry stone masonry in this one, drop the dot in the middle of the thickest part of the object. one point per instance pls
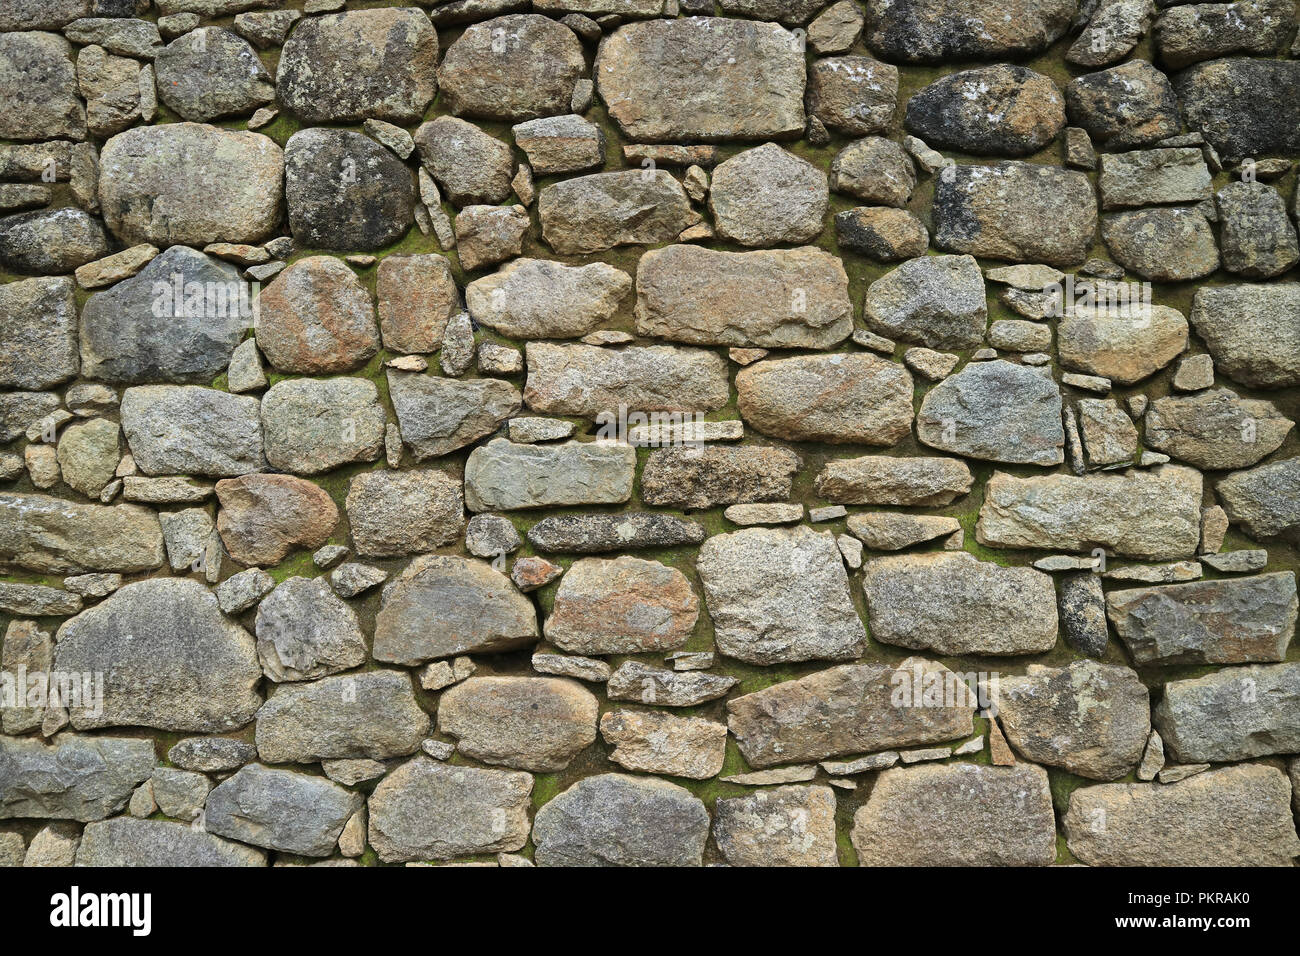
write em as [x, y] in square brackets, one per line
[649, 432]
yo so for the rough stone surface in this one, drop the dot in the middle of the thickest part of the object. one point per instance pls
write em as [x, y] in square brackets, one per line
[997, 110]
[1251, 332]
[528, 723]
[315, 425]
[537, 298]
[280, 810]
[994, 411]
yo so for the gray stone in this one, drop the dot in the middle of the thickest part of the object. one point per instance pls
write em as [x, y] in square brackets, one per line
[118, 92]
[1165, 244]
[20, 410]
[995, 411]
[784, 826]
[691, 477]
[179, 794]
[1114, 29]
[714, 79]
[439, 415]
[1149, 824]
[315, 425]
[1256, 239]
[1236, 562]
[1251, 332]
[1206, 31]
[881, 233]
[515, 67]
[444, 605]
[528, 723]
[55, 844]
[471, 166]
[1236, 713]
[951, 603]
[541, 299]
[345, 191]
[997, 110]
[351, 579]
[1153, 515]
[854, 95]
[88, 455]
[136, 333]
[51, 535]
[345, 67]
[767, 196]
[241, 591]
[170, 660]
[855, 398]
[1244, 107]
[579, 668]
[74, 778]
[655, 686]
[1081, 608]
[281, 810]
[886, 480]
[186, 429]
[190, 184]
[1216, 429]
[1124, 345]
[426, 810]
[304, 631]
[36, 68]
[125, 841]
[936, 301]
[652, 741]
[488, 536]
[50, 241]
[1108, 434]
[836, 28]
[799, 297]
[210, 73]
[370, 714]
[1129, 105]
[560, 144]
[1153, 176]
[187, 534]
[613, 819]
[485, 235]
[503, 476]
[212, 754]
[622, 606]
[397, 513]
[1021, 212]
[779, 595]
[592, 213]
[1091, 719]
[594, 382]
[886, 531]
[934, 31]
[958, 814]
[626, 531]
[26, 648]
[1231, 621]
[38, 333]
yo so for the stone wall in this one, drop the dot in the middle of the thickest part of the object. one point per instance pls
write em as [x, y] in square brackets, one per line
[648, 431]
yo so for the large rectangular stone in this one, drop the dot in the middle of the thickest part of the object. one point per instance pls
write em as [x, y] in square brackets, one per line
[503, 476]
[47, 534]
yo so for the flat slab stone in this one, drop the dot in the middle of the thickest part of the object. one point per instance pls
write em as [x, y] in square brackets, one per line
[503, 476]
[889, 531]
[1124, 347]
[1228, 621]
[439, 415]
[1265, 499]
[444, 605]
[1091, 719]
[594, 382]
[625, 531]
[528, 723]
[428, 810]
[856, 398]
[957, 814]
[660, 687]
[884, 480]
[622, 606]
[1153, 514]
[691, 477]
[1236, 713]
[856, 712]
[614, 819]
[702, 78]
[126, 841]
[779, 595]
[170, 659]
[360, 64]
[797, 298]
[652, 741]
[51, 535]
[73, 778]
[951, 603]
[1151, 824]
[783, 826]
[600, 211]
